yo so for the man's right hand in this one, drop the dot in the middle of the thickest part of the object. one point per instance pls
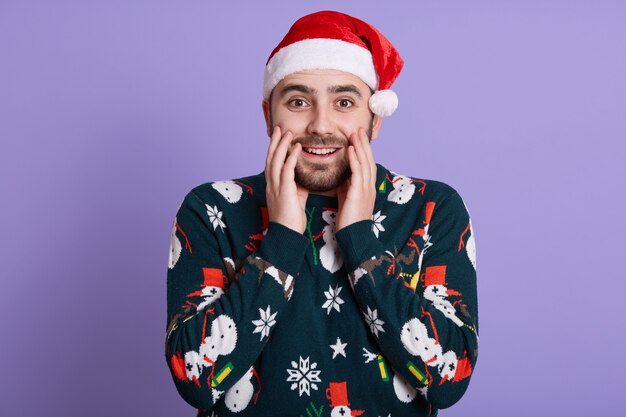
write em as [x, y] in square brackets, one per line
[286, 200]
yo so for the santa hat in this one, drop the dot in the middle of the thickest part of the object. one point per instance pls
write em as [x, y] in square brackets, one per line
[333, 40]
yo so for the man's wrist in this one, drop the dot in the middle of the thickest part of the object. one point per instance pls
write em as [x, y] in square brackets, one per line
[283, 247]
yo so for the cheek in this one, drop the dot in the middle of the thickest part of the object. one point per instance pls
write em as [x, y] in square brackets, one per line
[351, 124]
[295, 122]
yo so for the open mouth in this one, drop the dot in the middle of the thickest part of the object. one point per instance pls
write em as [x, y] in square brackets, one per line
[320, 151]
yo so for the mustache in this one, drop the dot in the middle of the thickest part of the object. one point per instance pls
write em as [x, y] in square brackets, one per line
[329, 141]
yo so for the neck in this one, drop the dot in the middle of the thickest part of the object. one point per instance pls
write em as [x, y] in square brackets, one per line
[330, 193]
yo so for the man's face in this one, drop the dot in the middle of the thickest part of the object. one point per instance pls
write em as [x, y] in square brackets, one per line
[322, 108]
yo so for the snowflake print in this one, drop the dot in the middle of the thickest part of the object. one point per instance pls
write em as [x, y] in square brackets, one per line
[377, 227]
[332, 299]
[373, 321]
[215, 217]
[304, 376]
[265, 323]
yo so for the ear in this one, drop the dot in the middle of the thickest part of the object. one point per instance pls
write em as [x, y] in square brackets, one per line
[376, 125]
[266, 113]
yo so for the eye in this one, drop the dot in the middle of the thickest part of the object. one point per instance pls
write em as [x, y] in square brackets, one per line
[297, 102]
[345, 103]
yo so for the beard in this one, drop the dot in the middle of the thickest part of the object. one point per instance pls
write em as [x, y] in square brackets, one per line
[322, 177]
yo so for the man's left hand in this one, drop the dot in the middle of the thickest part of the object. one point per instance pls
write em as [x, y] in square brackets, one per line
[358, 194]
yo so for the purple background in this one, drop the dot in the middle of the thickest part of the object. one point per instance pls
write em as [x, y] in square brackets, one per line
[111, 111]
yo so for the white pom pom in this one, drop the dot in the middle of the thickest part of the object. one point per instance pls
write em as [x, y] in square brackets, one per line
[383, 102]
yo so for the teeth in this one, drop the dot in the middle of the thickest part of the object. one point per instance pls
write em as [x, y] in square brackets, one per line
[321, 151]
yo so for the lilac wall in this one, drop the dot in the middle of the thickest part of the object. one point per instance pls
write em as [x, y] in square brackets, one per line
[111, 111]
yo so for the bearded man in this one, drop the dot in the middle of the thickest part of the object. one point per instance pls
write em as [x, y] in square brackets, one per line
[327, 284]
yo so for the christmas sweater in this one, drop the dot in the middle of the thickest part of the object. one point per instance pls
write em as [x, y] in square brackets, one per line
[376, 319]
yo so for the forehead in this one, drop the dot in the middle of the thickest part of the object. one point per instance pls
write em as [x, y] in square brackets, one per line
[321, 80]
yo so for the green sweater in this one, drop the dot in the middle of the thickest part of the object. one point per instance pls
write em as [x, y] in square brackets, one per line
[377, 319]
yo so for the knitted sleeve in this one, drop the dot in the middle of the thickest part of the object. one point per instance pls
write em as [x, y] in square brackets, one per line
[221, 311]
[426, 322]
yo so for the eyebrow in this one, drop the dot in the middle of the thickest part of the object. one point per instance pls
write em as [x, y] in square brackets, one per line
[348, 88]
[297, 87]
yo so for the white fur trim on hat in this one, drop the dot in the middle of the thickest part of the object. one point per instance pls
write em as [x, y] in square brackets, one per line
[383, 102]
[320, 54]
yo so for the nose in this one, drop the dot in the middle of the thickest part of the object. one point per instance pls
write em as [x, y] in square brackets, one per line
[321, 123]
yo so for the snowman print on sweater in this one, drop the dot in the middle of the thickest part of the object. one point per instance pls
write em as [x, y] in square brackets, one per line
[230, 190]
[330, 255]
[436, 291]
[193, 366]
[416, 341]
[404, 391]
[337, 393]
[470, 246]
[175, 247]
[221, 341]
[403, 189]
[239, 395]
[212, 288]
[447, 366]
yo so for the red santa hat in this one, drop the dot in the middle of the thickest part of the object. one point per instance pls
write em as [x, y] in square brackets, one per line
[334, 40]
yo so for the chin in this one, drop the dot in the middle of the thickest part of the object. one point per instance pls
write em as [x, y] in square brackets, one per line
[321, 180]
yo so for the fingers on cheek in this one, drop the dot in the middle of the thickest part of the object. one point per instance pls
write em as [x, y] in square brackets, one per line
[279, 157]
[369, 159]
[357, 171]
[287, 137]
[293, 158]
[374, 173]
[362, 153]
[353, 159]
[273, 143]
[363, 137]
[363, 163]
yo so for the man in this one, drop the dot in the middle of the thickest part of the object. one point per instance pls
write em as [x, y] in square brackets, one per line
[326, 285]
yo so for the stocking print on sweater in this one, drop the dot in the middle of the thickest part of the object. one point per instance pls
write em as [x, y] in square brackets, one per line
[376, 319]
